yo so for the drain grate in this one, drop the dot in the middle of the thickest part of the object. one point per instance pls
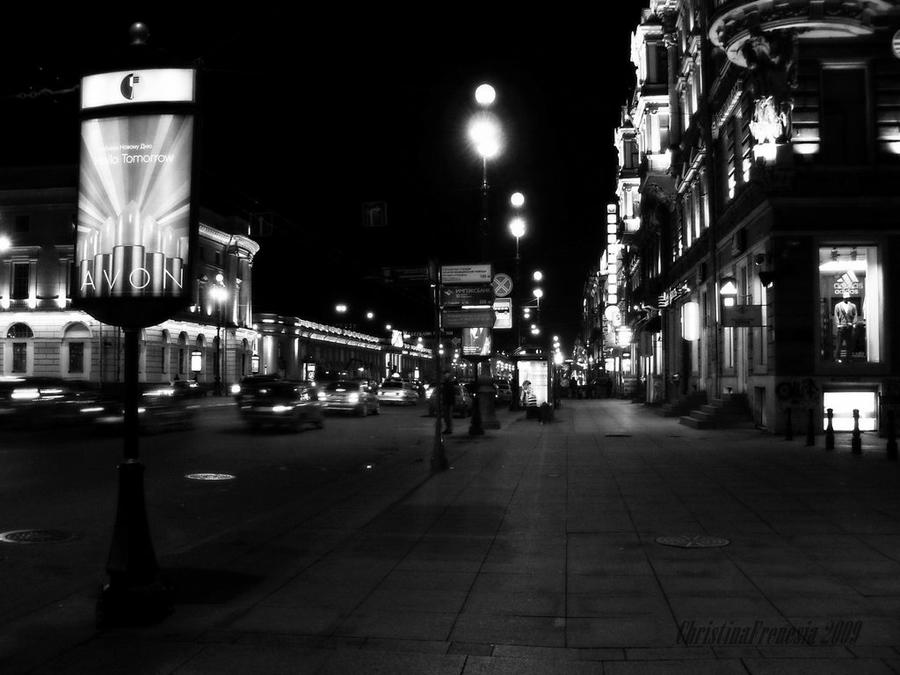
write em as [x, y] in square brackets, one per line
[618, 435]
[209, 476]
[693, 541]
[35, 536]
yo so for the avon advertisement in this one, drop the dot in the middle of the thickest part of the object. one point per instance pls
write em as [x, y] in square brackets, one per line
[134, 206]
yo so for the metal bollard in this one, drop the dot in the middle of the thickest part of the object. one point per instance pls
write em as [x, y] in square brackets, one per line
[789, 429]
[829, 431]
[892, 436]
[810, 430]
[855, 439]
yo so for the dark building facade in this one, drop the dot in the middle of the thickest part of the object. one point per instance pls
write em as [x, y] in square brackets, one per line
[778, 272]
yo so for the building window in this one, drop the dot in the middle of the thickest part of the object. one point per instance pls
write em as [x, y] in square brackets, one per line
[20, 277]
[850, 289]
[19, 331]
[76, 357]
[19, 357]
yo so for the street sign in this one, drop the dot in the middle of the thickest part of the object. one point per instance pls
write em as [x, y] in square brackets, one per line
[404, 274]
[503, 285]
[502, 313]
[742, 316]
[471, 294]
[466, 274]
[467, 318]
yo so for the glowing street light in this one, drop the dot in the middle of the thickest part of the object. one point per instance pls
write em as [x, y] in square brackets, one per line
[538, 275]
[538, 293]
[517, 199]
[340, 308]
[517, 229]
[485, 94]
[5, 243]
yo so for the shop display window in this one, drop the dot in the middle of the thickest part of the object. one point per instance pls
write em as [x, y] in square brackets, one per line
[850, 304]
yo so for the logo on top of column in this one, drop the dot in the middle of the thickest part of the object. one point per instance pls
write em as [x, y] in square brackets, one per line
[127, 85]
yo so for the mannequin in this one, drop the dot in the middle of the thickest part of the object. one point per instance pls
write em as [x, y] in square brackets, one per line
[844, 318]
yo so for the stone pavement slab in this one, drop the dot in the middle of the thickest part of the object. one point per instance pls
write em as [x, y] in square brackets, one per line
[537, 552]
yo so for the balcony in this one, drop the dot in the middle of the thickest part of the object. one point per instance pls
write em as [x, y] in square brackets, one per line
[735, 21]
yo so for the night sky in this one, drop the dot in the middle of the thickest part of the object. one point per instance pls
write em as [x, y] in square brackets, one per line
[307, 116]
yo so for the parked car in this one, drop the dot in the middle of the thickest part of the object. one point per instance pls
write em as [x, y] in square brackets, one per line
[25, 401]
[189, 388]
[502, 391]
[462, 401]
[160, 408]
[349, 396]
[280, 403]
[398, 392]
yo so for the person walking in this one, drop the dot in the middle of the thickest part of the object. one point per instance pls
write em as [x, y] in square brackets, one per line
[448, 394]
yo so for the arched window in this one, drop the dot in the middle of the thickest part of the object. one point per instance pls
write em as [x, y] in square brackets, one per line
[74, 349]
[19, 330]
[19, 350]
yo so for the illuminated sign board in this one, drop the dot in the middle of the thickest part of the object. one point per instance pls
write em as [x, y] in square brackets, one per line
[503, 313]
[134, 229]
[168, 85]
[476, 342]
[466, 274]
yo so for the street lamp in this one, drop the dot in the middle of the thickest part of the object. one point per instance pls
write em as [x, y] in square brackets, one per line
[517, 229]
[517, 199]
[5, 243]
[538, 275]
[486, 137]
[219, 295]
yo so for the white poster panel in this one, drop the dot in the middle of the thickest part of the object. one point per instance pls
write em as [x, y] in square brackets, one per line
[476, 341]
[134, 199]
[537, 373]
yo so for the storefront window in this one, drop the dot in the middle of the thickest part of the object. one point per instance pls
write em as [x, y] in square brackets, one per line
[850, 304]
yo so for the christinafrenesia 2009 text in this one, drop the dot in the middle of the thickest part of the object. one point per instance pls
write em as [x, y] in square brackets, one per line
[838, 631]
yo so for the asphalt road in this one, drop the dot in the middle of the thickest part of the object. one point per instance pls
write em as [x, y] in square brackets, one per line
[65, 479]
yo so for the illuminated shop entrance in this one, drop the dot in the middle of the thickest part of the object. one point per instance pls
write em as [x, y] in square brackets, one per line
[843, 403]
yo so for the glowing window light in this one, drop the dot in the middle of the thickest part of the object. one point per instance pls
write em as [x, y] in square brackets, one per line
[690, 321]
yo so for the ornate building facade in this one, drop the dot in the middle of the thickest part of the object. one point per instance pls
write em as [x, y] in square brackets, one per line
[785, 150]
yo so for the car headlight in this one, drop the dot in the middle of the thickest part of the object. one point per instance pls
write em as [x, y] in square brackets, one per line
[321, 395]
[353, 398]
[235, 389]
[281, 408]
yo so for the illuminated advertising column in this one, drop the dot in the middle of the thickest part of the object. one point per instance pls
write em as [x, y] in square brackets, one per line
[135, 233]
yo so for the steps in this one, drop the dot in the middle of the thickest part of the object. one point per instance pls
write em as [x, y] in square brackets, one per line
[729, 411]
[682, 406]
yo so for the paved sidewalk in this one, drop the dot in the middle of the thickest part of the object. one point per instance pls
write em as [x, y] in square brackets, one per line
[537, 552]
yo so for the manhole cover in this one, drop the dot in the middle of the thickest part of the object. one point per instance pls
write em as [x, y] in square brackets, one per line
[209, 476]
[35, 536]
[693, 541]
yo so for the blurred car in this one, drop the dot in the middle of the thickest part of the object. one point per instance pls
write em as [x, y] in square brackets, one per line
[280, 403]
[398, 392]
[503, 392]
[250, 383]
[349, 396]
[160, 408]
[462, 401]
[189, 388]
[41, 400]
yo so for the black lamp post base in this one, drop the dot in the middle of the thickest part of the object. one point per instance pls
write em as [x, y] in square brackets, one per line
[124, 604]
[135, 593]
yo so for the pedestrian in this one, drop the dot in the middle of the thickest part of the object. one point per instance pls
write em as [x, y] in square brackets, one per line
[573, 388]
[529, 399]
[448, 394]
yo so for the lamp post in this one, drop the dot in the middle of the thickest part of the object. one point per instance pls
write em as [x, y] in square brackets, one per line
[485, 135]
[219, 294]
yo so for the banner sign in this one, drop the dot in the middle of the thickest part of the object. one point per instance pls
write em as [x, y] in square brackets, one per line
[480, 294]
[157, 85]
[467, 318]
[503, 313]
[476, 342]
[466, 274]
[742, 316]
[134, 229]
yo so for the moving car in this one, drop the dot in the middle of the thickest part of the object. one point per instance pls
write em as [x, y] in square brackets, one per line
[160, 408]
[349, 396]
[462, 401]
[280, 403]
[25, 401]
[398, 392]
[503, 392]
